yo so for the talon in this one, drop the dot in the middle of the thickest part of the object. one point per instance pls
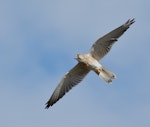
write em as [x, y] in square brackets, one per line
[100, 69]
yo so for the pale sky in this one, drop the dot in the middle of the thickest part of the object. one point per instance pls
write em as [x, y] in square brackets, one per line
[38, 42]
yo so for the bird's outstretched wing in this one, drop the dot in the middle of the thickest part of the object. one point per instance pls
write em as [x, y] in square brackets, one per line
[103, 45]
[70, 79]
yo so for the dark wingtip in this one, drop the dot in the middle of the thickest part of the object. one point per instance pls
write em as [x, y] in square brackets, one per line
[132, 21]
[47, 105]
[129, 22]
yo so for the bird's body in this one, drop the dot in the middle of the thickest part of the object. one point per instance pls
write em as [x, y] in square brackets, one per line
[94, 65]
[89, 62]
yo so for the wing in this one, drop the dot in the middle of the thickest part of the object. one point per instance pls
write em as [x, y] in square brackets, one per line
[70, 79]
[103, 45]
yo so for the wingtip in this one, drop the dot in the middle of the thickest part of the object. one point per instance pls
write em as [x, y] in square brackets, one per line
[129, 22]
[47, 105]
[132, 20]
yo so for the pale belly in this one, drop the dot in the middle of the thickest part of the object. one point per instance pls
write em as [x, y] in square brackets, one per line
[91, 63]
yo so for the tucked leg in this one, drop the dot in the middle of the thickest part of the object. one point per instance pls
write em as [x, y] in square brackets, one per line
[99, 70]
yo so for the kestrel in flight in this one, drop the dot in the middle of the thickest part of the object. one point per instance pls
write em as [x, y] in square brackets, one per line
[88, 62]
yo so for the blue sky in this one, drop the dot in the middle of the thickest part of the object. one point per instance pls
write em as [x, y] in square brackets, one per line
[38, 40]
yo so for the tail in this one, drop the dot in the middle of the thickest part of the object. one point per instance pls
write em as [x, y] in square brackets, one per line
[106, 75]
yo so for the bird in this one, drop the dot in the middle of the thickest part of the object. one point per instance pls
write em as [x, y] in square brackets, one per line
[89, 62]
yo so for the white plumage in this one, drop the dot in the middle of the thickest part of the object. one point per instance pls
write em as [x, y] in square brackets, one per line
[88, 62]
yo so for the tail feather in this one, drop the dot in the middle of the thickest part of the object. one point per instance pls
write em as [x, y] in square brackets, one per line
[107, 75]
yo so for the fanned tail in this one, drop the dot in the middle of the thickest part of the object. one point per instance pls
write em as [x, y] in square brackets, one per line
[106, 75]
